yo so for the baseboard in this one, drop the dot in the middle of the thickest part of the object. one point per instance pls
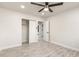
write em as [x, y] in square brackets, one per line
[65, 46]
[11, 46]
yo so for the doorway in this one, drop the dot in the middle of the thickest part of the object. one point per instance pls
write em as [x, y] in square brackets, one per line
[34, 31]
[25, 31]
[29, 31]
[40, 30]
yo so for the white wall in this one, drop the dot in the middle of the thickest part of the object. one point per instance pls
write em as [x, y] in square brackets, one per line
[11, 27]
[64, 28]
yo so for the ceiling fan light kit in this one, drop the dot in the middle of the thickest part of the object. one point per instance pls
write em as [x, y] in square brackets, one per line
[46, 6]
[46, 9]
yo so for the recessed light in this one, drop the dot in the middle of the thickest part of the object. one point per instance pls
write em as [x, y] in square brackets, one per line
[22, 6]
[42, 13]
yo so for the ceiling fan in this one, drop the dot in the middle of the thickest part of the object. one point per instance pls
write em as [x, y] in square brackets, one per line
[47, 6]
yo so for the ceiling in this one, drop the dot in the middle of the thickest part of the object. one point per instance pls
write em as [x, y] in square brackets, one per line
[33, 9]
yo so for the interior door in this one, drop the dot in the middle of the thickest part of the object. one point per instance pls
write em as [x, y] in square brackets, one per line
[46, 31]
[33, 34]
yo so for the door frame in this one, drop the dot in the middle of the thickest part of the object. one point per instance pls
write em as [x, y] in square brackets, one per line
[21, 29]
[29, 20]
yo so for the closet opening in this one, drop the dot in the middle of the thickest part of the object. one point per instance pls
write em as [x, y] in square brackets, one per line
[25, 31]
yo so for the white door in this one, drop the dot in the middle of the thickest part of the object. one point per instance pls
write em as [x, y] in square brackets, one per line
[33, 34]
[46, 31]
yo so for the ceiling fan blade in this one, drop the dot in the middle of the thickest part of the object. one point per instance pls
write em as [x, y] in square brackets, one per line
[37, 4]
[50, 10]
[41, 10]
[56, 4]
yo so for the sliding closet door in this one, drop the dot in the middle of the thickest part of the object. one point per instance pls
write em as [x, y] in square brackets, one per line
[33, 34]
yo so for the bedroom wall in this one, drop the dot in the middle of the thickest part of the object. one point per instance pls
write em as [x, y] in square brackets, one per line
[11, 27]
[64, 29]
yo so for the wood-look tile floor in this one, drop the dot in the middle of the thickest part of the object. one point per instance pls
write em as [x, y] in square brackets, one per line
[39, 49]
